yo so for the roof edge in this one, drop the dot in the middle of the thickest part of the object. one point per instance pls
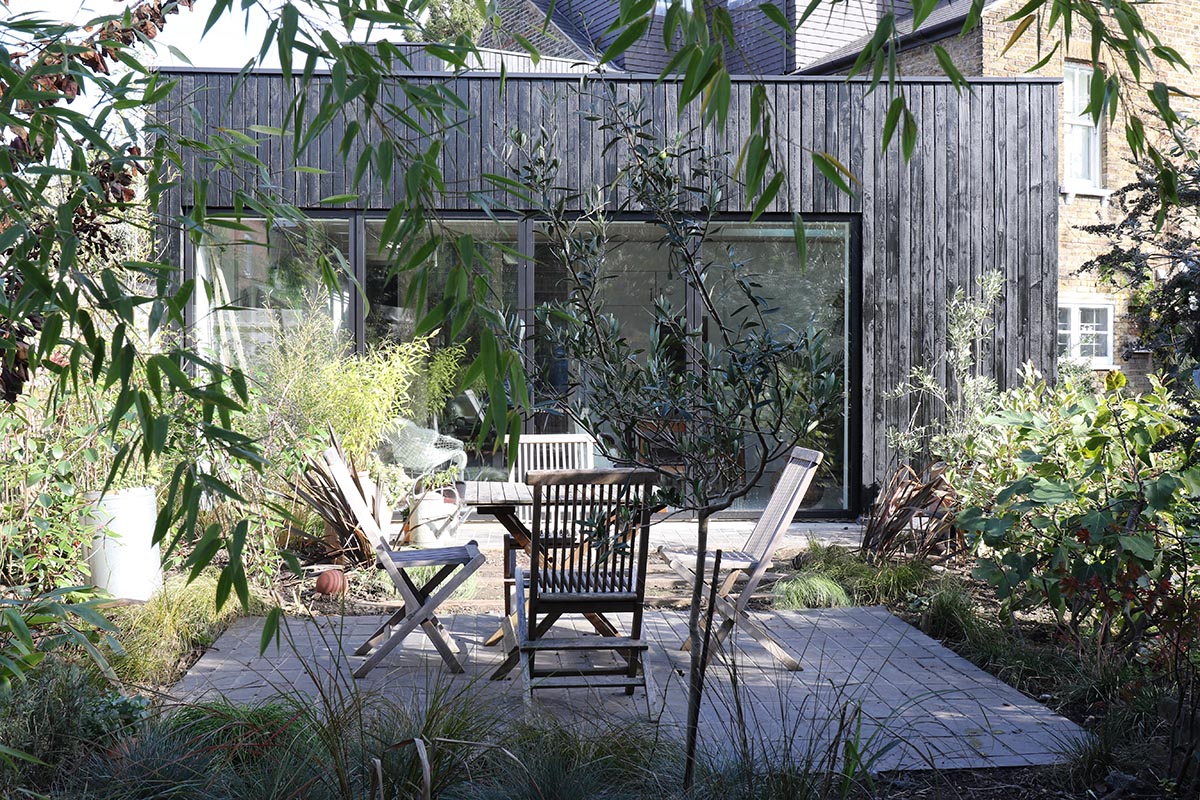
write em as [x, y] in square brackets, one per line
[632, 77]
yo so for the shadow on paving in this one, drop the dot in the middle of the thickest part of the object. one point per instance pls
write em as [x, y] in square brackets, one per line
[868, 677]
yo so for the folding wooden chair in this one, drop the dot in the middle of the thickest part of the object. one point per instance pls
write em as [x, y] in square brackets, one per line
[755, 556]
[588, 552]
[420, 602]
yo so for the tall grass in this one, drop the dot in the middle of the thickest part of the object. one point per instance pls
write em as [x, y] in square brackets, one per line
[341, 741]
[822, 566]
[161, 636]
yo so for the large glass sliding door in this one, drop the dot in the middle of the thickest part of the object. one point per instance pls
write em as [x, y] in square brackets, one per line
[811, 301]
[262, 280]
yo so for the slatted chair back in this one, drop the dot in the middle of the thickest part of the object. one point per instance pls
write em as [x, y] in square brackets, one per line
[590, 536]
[552, 451]
[785, 500]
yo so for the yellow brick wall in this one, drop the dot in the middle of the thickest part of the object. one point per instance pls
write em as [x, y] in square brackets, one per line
[1177, 22]
[966, 52]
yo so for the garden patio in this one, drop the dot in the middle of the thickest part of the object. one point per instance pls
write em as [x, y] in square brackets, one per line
[922, 706]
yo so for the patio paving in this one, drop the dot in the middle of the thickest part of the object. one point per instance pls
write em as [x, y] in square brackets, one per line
[922, 705]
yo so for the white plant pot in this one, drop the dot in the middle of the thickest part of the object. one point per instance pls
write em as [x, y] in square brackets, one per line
[431, 520]
[124, 561]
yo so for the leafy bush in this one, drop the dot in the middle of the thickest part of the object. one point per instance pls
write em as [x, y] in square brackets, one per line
[44, 527]
[1087, 504]
[56, 715]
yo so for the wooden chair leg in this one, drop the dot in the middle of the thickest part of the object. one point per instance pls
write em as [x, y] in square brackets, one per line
[381, 632]
[423, 614]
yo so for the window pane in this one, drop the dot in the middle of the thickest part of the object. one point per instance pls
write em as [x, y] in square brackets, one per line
[1064, 319]
[257, 284]
[1077, 89]
[636, 271]
[1093, 319]
[391, 315]
[1064, 345]
[1080, 142]
[805, 298]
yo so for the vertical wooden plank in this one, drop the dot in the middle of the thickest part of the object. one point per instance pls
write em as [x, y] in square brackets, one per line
[945, 211]
[1013, 156]
[869, 145]
[1049, 219]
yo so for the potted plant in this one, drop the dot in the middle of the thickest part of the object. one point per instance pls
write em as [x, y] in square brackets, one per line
[121, 489]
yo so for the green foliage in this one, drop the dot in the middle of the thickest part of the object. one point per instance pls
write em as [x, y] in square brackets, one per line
[1153, 255]
[866, 581]
[44, 519]
[450, 19]
[158, 638]
[61, 712]
[306, 382]
[1086, 504]
[808, 589]
[950, 615]
[561, 760]
[945, 413]
[35, 624]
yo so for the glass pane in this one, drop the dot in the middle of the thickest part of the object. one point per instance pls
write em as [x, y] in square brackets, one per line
[1077, 89]
[1064, 319]
[258, 284]
[1064, 345]
[1079, 142]
[805, 299]
[392, 316]
[1093, 319]
[635, 272]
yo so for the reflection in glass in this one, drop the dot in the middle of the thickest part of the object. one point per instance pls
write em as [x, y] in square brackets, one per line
[801, 298]
[635, 272]
[393, 309]
[257, 282]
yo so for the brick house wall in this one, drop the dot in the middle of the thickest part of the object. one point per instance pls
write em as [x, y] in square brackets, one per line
[982, 53]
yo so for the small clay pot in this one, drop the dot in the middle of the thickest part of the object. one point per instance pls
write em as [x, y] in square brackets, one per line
[331, 582]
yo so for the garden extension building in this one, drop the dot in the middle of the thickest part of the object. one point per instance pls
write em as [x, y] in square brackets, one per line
[980, 193]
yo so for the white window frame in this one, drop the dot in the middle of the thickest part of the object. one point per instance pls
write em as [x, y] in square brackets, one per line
[1076, 333]
[1075, 117]
[661, 6]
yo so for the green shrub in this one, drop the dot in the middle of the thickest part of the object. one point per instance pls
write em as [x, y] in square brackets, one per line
[1091, 510]
[810, 590]
[56, 715]
[155, 764]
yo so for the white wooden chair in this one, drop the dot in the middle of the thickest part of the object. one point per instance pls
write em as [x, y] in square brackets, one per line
[550, 451]
[420, 601]
[752, 561]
